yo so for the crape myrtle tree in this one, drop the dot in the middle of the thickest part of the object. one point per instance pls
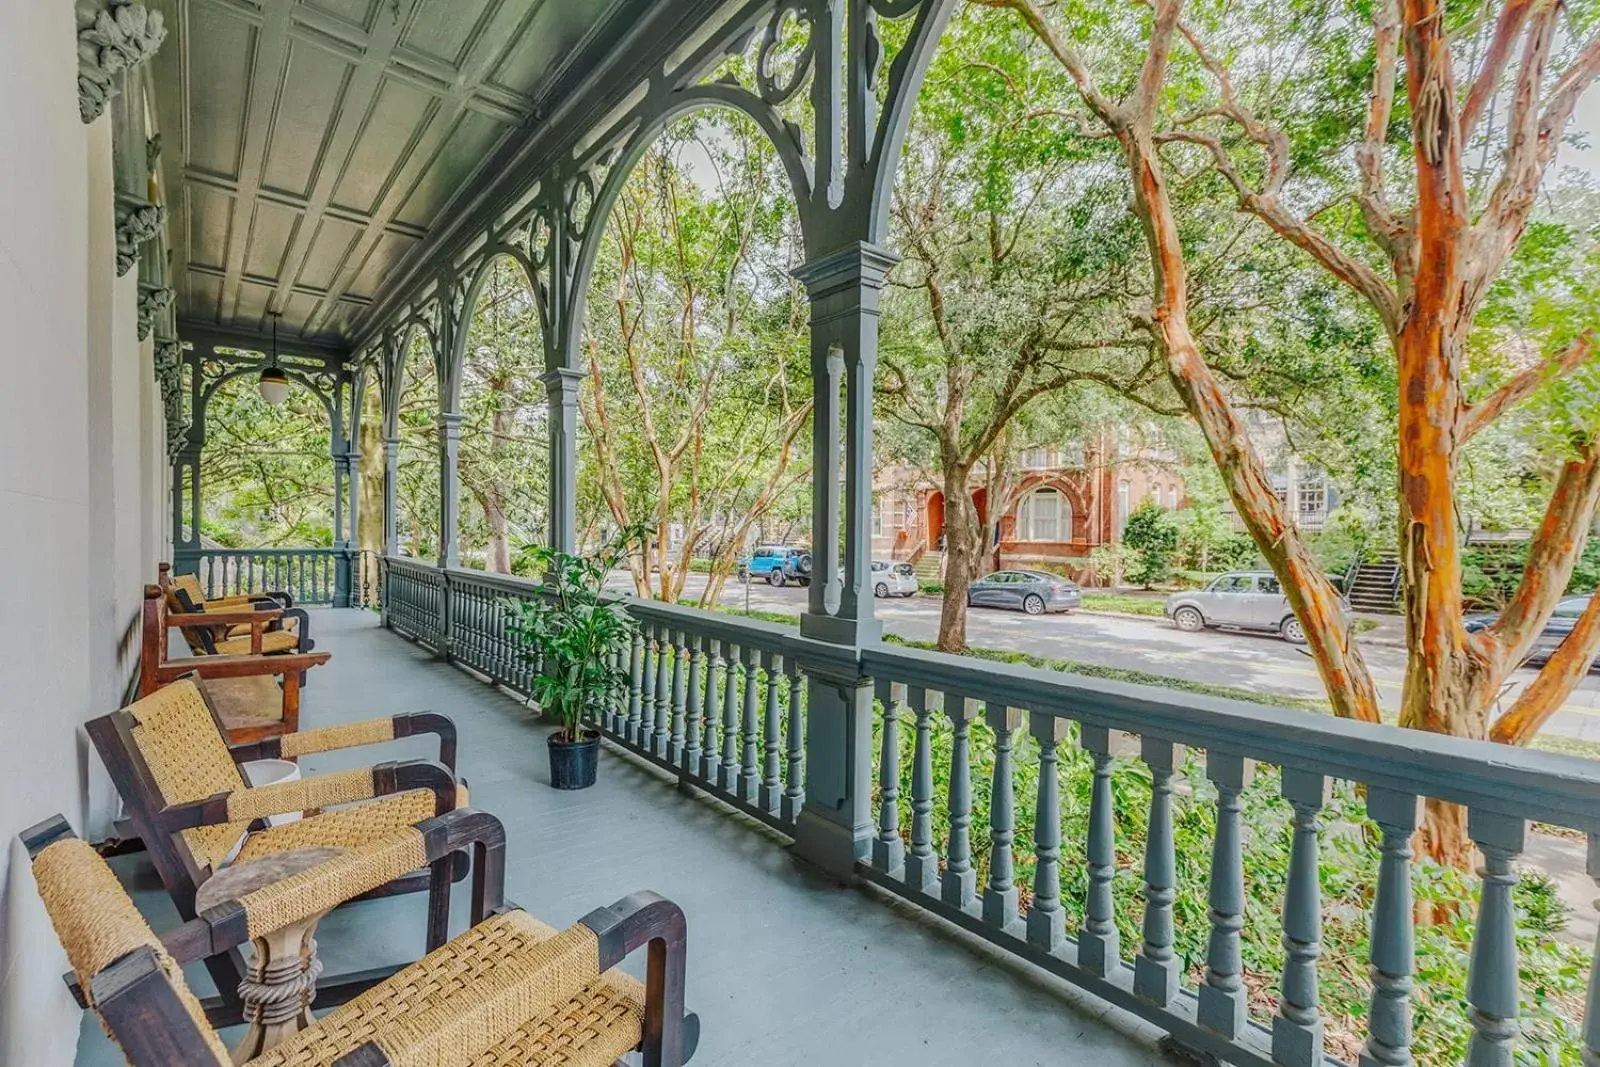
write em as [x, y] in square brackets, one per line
[698, 400]
[1025, 283]
[1400, 145]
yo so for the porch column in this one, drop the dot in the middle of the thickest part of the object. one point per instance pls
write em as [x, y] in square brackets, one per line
[449, 489]
[186, 499]
[341, 474]
[391, 482]
[561, 386]
[835, 827]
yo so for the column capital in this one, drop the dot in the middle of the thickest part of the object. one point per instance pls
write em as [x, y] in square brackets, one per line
[563, 382]
[860, 263]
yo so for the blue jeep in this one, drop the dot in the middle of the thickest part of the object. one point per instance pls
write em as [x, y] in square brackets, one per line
[778, 564]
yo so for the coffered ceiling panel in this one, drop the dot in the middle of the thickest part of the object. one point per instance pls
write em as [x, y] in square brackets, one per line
[310, 147]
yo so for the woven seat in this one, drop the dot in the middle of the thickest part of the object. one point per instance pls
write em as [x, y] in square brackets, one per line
[509, 992]
[271, 641]
[288, 628]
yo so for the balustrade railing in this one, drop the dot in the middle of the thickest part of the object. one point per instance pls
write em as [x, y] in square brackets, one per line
[998, 810]
[311, 575]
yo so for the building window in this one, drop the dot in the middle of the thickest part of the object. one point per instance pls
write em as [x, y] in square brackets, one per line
[1045, 515]
[1172, 497]
[877, 516]
[1035, 459]
[1313, 499]
[1124, 498]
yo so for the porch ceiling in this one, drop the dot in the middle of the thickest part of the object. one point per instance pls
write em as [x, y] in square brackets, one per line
[311, 147]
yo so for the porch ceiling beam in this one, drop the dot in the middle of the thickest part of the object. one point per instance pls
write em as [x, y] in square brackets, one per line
[282, 198]
[266, 85]
[299, 288]
[631, 45]
[362, 88]
[484, 53]
[206, 336]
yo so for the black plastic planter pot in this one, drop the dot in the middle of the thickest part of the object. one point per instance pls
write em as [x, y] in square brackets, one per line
[573, 763]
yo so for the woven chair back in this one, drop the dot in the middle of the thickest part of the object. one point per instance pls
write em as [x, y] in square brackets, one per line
[189, 760]
[189, 586]
[98, 925]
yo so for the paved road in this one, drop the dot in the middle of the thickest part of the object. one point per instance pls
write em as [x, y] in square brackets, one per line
[1259, 663]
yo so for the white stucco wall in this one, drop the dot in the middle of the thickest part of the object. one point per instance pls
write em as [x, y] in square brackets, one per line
[77, 525]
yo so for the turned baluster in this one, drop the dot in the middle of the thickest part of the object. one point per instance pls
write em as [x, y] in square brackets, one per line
[750, 759]
[888, 851]
[1492, 986]
[1156, 966]
[794, 779]
[1099, 945]
[694, 711]
[1222, 994]
[642, 712]
[713, 711]
[959, 883]
[922, 864]
[658, 737]
[677, 687]
[1389, 1027]
[1297, 1027]
[1046, 920]
[728, 770]
[1000, 894]
[772, 739]
[630, 714]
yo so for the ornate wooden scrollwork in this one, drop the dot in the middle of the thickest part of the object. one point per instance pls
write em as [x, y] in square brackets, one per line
[154, 301]
[113, 36]
[137, 222]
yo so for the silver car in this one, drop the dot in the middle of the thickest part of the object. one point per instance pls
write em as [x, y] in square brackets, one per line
[893, 579]
[1033, 591]
[1248, 600]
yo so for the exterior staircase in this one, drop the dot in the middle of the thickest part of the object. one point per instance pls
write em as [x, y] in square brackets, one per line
[929, 567]
[1375, 586]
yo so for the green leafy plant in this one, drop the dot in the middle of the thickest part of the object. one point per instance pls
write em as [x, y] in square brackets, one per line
[573, 633]
[1152, 534]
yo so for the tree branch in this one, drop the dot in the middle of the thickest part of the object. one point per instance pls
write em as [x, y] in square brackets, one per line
[1522, 385]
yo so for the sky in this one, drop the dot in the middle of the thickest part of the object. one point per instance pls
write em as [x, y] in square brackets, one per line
[1586, 121]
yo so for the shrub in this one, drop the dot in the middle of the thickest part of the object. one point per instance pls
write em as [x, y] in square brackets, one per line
[1152, 534]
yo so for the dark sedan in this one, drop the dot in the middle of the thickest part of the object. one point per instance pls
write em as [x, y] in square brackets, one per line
[1555, 631]
[1032, 591]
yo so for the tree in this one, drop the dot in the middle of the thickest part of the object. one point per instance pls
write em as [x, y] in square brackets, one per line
[417, 484]
[504, 433]
[267, 471]
[1425, 270]
[697, 392]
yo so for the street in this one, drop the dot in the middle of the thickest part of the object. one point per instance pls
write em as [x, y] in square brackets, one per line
[1259, 663]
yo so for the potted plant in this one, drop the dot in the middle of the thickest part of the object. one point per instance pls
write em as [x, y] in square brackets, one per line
[577, 639]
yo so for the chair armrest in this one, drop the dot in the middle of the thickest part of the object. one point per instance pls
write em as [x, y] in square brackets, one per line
[282, 798]
[335, 881]
[191, 620]
[242, 666]
[353, 734]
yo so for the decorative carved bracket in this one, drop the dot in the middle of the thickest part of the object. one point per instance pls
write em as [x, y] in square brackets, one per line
[154, 301]
[169, 378]
[113, 36]
[137, 222]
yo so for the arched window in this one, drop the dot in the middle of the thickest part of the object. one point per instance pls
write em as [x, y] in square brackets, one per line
[1045, 515]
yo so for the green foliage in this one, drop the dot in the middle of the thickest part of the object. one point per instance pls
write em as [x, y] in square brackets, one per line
[266, 472]
[1152, 535]
[1108, 563]
[575, 636]
[1491, 573]
[1123, 605]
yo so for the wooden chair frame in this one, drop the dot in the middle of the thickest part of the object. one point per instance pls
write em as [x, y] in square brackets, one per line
[155, 670]
[269, 608]
[158, 826]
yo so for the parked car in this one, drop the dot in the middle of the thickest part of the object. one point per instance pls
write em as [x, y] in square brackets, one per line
[893, 579]
[778, 564]
[1562, 620]
[1248, 600]
[1033, 591]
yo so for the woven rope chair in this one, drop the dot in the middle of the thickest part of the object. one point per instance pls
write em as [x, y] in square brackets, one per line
[507, 993]
[187, 801]
[254, 623]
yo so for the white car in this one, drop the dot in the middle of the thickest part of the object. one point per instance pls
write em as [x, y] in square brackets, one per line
[893, 579]
[1248, 600]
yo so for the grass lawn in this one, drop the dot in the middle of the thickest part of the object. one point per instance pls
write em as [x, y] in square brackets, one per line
[1123, 604]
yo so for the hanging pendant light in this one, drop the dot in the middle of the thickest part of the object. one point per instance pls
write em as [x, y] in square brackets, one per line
[274, 384]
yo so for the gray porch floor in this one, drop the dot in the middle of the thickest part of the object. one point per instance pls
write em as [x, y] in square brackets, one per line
[784, 967]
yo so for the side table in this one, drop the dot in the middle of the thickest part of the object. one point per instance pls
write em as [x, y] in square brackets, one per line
[281, 981]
